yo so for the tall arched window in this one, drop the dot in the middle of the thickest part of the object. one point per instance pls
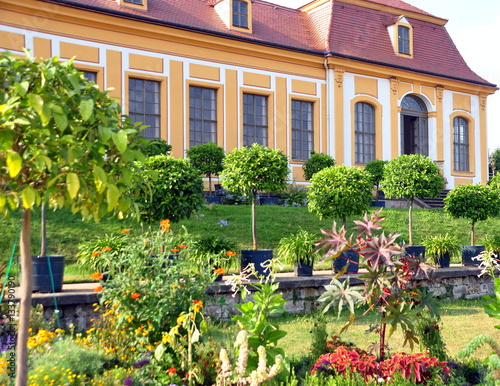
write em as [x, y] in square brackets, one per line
[460, 144]
[364, 133]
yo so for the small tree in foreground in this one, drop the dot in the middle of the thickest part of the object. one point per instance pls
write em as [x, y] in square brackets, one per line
[317, 162]
[252, 169]
[207, 158]
[473, 202]
[409, 176]
[340, 191]
[63, 142]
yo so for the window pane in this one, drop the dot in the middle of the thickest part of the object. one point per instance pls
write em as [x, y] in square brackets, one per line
[364, 133]
[202, 115]
[255, 125]
[460, 144]
[144, 105]
[302, 130]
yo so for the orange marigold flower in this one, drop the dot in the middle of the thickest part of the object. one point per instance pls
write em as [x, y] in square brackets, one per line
[175, 250]
[98, 288]
[125, 230]
[107, 248]
[171, 370]
[197, 305]
[230, 253]
[165, 225]
[219, 271]
[96, 276]
[135, 295]
[97, 253]
[182, 246]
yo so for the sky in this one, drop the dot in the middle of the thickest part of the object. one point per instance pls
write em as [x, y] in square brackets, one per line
[474, 27]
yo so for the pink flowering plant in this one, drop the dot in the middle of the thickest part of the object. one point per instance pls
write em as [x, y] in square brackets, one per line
[391, 280]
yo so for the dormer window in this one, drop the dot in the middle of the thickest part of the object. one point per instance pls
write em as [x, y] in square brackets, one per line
[401, 34]
[236, 14]
[240, 14]
[136, 4]
[403, 40]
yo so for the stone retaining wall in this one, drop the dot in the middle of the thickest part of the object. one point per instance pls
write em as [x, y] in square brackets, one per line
[301, 293]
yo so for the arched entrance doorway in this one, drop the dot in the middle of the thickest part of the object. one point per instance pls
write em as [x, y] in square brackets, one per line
[414, 130]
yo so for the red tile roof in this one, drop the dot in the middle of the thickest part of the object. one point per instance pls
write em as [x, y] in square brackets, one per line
[335, 27]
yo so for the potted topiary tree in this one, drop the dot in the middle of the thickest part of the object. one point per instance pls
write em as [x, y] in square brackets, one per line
[337, 192]
[299, 250]
[177, 191]
[65, 143]
[315, 163]
[207, 158]
[442, 248]
[410, 176]
[376, 170]
[246, 172]
[476, 203]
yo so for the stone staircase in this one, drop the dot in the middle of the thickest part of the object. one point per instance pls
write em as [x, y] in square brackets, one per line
[434, 202]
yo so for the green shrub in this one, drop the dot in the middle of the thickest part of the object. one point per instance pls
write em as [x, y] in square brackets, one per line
[317, 162]
[177, 189]
[155, 146]
[294, 195]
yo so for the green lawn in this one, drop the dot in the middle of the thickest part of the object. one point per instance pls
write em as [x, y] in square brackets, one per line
[66, 231]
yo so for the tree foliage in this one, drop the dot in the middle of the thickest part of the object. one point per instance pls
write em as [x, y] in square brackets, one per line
[495, 160]
[155, 146]
[317, 162]
[412, 175]
[376, 170]
[62, 140]
[176, 189]
[473, 202]
[340, 191]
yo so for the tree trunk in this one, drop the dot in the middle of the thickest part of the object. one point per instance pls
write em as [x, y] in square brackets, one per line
[25, 302]
[209, 184]
[254, 226]
[43, 246]
[472, 234]
[410, 221]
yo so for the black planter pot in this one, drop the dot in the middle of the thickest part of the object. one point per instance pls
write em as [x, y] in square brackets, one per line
[347, 257]
[302, 269]
[416, 250]
[48, 273]
[470, 251]
[257, 257]
[443, 261]
[213, 199]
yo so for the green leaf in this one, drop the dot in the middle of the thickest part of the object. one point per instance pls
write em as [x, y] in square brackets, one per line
[61, 121]
[112, 196]
[22, 88]
[86, 108]
[14, 163]
[29, 197]
[46, 115]
[160, 350]
[100, 178]
[36, 102]
[2, 201]
[120, 139]
[22, 121]
[73, 184]
[6, 139]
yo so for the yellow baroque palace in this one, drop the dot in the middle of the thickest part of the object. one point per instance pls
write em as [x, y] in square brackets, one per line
[357, 79]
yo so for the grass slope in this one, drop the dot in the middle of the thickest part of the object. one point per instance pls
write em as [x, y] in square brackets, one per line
[65, 231]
